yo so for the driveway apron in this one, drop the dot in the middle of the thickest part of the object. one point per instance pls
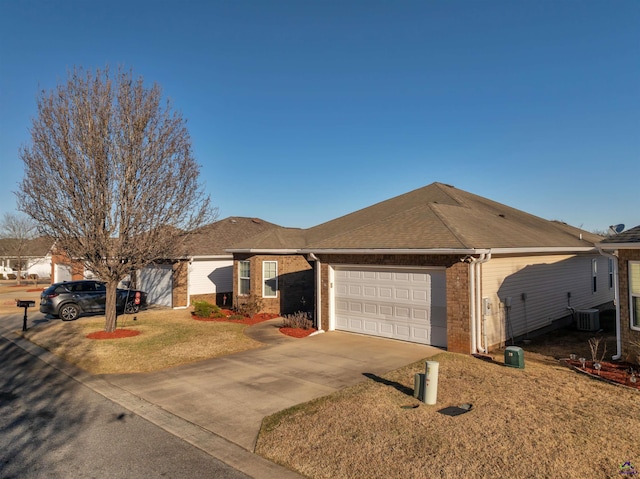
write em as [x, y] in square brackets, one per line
[230, 396]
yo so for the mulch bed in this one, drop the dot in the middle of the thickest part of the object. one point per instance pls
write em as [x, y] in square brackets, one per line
[117, 334]
[297, 332]
[255, 319]
[616, 373]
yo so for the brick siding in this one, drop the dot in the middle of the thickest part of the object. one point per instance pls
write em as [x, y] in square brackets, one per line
[626, 333]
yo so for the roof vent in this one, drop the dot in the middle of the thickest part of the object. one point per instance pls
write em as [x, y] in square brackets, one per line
[234, 221]
[256, 221]
[501, 215]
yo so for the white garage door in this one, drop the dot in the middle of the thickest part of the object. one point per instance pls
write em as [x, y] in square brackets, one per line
[62, 272]
[207, 277]
[157, 282]
[406, 304]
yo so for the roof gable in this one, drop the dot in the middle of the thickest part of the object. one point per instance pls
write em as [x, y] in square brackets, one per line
[216, 238]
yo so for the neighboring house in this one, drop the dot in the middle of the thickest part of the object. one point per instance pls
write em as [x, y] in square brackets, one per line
[204, 272]
[436, 265]
[35, 257]
[624, 250]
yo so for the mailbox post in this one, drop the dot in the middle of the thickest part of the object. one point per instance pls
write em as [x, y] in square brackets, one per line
[26, 304]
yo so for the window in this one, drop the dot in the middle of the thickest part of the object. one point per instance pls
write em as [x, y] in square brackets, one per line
[634, 294]
[610, 273]
[269, 279]
[594, 274]
[244, 277]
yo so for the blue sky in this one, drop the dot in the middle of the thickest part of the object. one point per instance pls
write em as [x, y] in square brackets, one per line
[302, 111]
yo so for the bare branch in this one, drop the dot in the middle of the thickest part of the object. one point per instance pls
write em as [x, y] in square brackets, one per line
[110, 173]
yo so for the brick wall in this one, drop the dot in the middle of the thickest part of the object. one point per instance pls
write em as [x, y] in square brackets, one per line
[626, 333]
[295, 282]
[457, 278]
[180, 278]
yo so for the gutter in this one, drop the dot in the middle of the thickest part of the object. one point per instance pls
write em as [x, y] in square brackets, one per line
[616, 299]
[549, 249]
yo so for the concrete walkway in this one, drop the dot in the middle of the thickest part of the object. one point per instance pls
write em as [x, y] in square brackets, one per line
[218, 404]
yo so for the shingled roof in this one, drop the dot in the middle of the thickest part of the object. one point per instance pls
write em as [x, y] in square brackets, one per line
[35, 248]
[629, 238]
[216, 238]
[437, 216]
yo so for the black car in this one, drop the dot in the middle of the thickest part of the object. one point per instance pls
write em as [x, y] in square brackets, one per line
[70, 299]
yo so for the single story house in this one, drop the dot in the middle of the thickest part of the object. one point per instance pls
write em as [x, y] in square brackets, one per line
[32, 257]
[624, 250]
[206, 270]
[437, 265]
[203, 272]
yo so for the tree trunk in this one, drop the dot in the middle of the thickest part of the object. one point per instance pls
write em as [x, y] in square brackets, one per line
[110, 307]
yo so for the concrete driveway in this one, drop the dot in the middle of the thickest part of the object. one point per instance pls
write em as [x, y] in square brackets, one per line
[230, 396]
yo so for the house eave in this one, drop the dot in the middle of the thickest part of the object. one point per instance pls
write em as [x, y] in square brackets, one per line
[263, 251]
[419, 251]
[614, 246]
[545, 250]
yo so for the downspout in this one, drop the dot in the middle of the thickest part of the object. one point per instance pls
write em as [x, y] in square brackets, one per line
[480, 318]
[616, 300]
[474, 291]
[318, 265]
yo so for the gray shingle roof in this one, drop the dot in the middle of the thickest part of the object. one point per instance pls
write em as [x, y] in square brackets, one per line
[630, 236]
[215, 238]
[435, 216]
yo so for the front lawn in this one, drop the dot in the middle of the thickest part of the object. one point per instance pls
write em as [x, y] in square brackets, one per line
[540, 422]
[168, 338]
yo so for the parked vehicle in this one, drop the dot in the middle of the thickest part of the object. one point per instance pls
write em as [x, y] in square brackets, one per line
[70, 299]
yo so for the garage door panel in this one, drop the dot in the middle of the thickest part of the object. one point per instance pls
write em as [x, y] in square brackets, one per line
[395, 304]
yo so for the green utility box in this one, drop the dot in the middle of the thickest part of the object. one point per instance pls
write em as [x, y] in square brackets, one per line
[514, 357]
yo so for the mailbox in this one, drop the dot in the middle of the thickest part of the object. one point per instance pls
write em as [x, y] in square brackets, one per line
[21, 303]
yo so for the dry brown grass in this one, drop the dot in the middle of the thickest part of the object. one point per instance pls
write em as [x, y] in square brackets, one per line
[168, 338]
[541, 422]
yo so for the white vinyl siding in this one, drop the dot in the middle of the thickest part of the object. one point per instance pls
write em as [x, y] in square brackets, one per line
[269, 279]
[634, 294]
[244, 277]
[546, 282]
[211, 276]
[157, 282]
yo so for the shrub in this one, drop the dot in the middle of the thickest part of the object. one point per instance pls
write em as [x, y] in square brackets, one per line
[297, 320]
[203, 309]
[248, 305]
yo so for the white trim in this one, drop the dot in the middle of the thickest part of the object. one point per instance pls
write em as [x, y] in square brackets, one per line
[631, 318]
[240, 278]
[211, 256]
[264, 280]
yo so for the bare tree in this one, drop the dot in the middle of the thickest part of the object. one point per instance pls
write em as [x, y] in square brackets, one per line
[16, 232]
[110, 175]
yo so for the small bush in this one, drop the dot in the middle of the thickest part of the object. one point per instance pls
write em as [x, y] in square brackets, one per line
[297, 320]
[203, 309]
[248, 305]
